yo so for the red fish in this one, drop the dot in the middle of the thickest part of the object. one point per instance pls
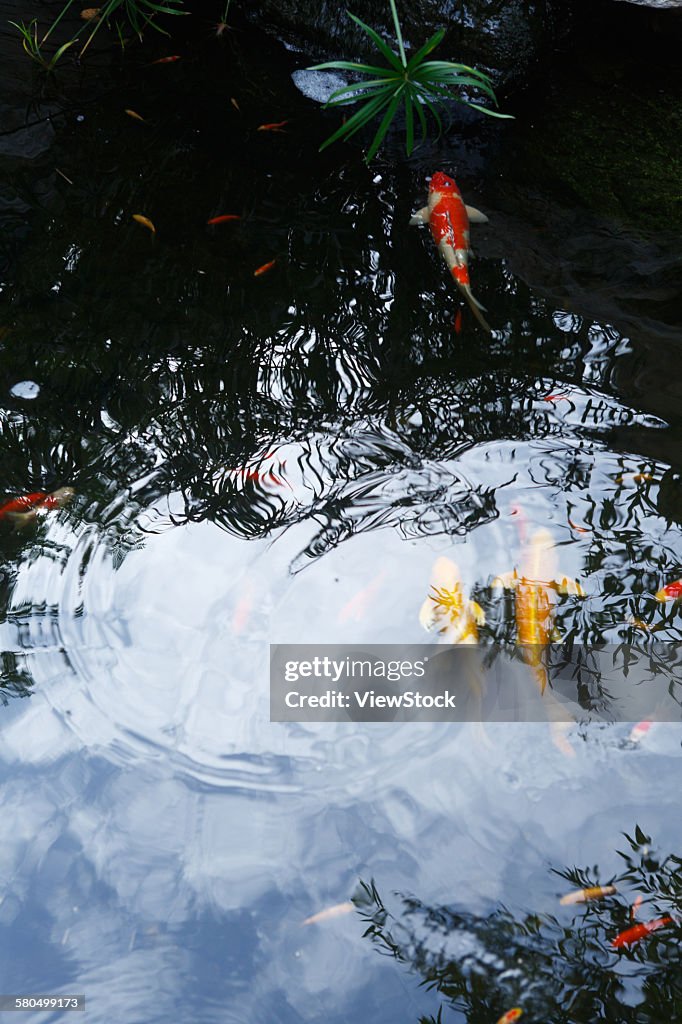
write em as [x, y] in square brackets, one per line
[224, 218]
[639, 931]
[670, 592]
[24, 508]
[449, 219]
[272, 126]
[264, 269]
[167, 60]
[510, 1016]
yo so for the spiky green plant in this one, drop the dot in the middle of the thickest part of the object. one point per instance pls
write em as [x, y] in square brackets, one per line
[34, 48]
[416, 84]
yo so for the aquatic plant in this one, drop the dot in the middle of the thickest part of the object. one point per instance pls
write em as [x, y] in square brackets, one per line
[138, 14]
[415, 84]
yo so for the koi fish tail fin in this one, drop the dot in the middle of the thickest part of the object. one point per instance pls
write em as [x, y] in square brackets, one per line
[421, 216]
[475, 306]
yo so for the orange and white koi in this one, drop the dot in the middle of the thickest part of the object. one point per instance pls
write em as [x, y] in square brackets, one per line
[593, 892]
[24, 510]
[640, 730]
[670, 592]
[640, 931]
[535, 587]
[449, 218]
[446, 610]
[639, 899]
[510, 1016]
[326, 915]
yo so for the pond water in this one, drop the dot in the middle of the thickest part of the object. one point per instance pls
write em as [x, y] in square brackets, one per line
[282, 458]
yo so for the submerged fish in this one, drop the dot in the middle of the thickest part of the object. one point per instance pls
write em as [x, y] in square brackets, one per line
[264, 268]
[639, 931]
[510, 1016]
[670, 592]
[449, 218]
[223, 218]
[535, 587]
[326, 915]
[594, 892]
[24, 510]
[145, 222]
[273, 126]
[447, 610]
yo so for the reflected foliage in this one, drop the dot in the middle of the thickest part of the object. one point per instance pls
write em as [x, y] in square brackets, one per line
[561, 967]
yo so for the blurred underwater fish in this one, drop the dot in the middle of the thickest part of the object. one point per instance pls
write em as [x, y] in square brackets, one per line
[358, 606]
[635, 478]
[264, 268]
[594, 892]
[168, 60]
[90, 13]
[446, 610]
[326, 915]
[640, 730]
[640, 931]
[510, 1016]
[639, 899]
[449, 218]
[273, 126]
[22, 511]
[670, 592]
[134, 114]
[145, 222]
[535, 587]
[223, 218]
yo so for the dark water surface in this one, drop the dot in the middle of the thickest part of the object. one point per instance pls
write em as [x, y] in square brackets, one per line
[282, 458]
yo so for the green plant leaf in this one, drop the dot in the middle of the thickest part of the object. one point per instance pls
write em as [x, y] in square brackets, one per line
[370, 85]
[384, 126]
[358, 120]
[428, 46]
[381, 46]
[345, 65]
[486, 110]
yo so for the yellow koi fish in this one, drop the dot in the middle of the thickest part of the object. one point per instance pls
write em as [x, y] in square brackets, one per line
[446, 610]
[535, 588]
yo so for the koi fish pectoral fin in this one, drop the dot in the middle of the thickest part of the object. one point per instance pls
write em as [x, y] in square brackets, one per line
[421, 216]
[475, 216]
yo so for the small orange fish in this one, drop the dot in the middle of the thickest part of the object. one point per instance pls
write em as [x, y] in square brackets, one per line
[145, 222]
[670, 592]
[578, 529]
[168, 60]
[639, 931]
[329, 913]
[264, 269]
[273, 126]
[510, 1016]
[224, 218]
[594, 892]
[23, 509]
[556, 398]
[458, 322]
[235, 104]
[90, 13]
[134, 114]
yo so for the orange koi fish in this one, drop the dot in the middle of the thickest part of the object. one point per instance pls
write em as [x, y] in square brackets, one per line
[235, 104]
[510, 1016]
[224, 218]
[168, 60]
[24, 509]
[535, 587]
[446, 610]
[329, 913]
[594, 892]
[449, 219]
[670, 592]
[134, 114]
[145, 222]
[640, 730]
[273, 126]
[264, 269]
[639, 931]
[90, 13]
[556, 398]
[636, 478]
[639, 899]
